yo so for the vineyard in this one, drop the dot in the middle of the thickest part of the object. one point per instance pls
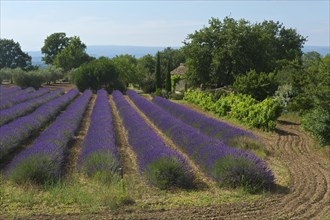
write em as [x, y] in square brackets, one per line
[142, 147]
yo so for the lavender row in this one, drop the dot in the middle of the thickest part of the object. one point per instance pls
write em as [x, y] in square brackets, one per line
[226, 165]
[15, 93]
[150, 148]
[4, 91]
[99, 153]
[45, 157]
[21, 109]
[209, 126]
[6, 103]
[13, 133]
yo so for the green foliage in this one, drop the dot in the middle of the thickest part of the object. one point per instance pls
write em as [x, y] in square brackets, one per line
[72, 56]
[224, 49]
[317, 122]
[166, 173]
[261, 115]
[36, 169]
[53, 45]
[101, 166]
[157, 73]
[28, 79]
[97, 74]
[259, 86]
[12, 56]
[127, 68]
[146, 73]
[51, 74]
[235, 171]
[168, 80]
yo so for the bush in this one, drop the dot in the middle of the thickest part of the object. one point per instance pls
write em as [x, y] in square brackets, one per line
[242, 107]
[98, 74]
[28, 79]
[168, 172]
[259, 86]
[317, 122]
[235, 171]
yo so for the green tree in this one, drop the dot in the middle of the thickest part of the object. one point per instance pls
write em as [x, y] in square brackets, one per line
[12, 56]
[158, 74]
[259, 86]
[73, 55]
[127, 68]
[146, 73]
[97, 74]
[168, 85]
[53, 45]
[225, 49]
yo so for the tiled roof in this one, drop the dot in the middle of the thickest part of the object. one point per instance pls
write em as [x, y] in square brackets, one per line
[180, 70]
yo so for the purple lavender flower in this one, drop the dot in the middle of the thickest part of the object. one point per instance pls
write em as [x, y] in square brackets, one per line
[13, 94]
[6, 103]
[99, 153]
[21, 109]
[13, 133]
[153, 155]
[209, 126]
[209, 153]
[49, 147]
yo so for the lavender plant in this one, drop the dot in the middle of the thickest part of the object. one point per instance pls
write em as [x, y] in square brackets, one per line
[7, 91]
[13, 94]
[228, 166]
[13, 133]
[230, 135]
[6, 103]
[21, 109]
[99, 153]
[162, 166]
[42, 162]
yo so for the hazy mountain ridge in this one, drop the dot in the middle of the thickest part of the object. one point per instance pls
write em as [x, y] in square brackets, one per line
[139, 51]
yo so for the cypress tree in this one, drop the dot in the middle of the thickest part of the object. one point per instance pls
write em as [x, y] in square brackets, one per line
[168, 77]
[158, 77]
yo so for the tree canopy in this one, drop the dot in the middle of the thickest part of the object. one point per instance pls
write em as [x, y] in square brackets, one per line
[73, 55]
[12, 56]
[53, 45]
[225, 49]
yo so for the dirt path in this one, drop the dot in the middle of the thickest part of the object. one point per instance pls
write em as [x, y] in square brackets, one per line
[308, 195]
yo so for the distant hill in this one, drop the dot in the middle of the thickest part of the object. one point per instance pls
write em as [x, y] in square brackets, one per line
[323, 50]
[139, 51]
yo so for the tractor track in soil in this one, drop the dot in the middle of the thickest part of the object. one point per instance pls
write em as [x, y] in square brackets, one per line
[308, 195]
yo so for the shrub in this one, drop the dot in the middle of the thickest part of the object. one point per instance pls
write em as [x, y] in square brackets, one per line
[238, 171]
[317, 122]
[167, 172]
[28, 79]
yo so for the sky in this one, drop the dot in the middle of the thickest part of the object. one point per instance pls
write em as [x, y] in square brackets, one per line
[151, 23]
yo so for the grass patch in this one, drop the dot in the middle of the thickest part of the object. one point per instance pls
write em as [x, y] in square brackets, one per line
[73, 195]
[246, 143]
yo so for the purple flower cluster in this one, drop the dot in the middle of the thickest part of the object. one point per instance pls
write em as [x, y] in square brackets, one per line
[51, 144]
[4, 91]
[209, 126]
[147, 145]
[13, 94]
[6, 103]
[21, 109]
[205, 151]
[13, 133]
[99, 152]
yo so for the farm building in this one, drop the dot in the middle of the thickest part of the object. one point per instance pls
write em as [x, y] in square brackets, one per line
[178, 78]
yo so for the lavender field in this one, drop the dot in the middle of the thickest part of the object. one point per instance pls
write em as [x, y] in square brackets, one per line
[100, 151]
